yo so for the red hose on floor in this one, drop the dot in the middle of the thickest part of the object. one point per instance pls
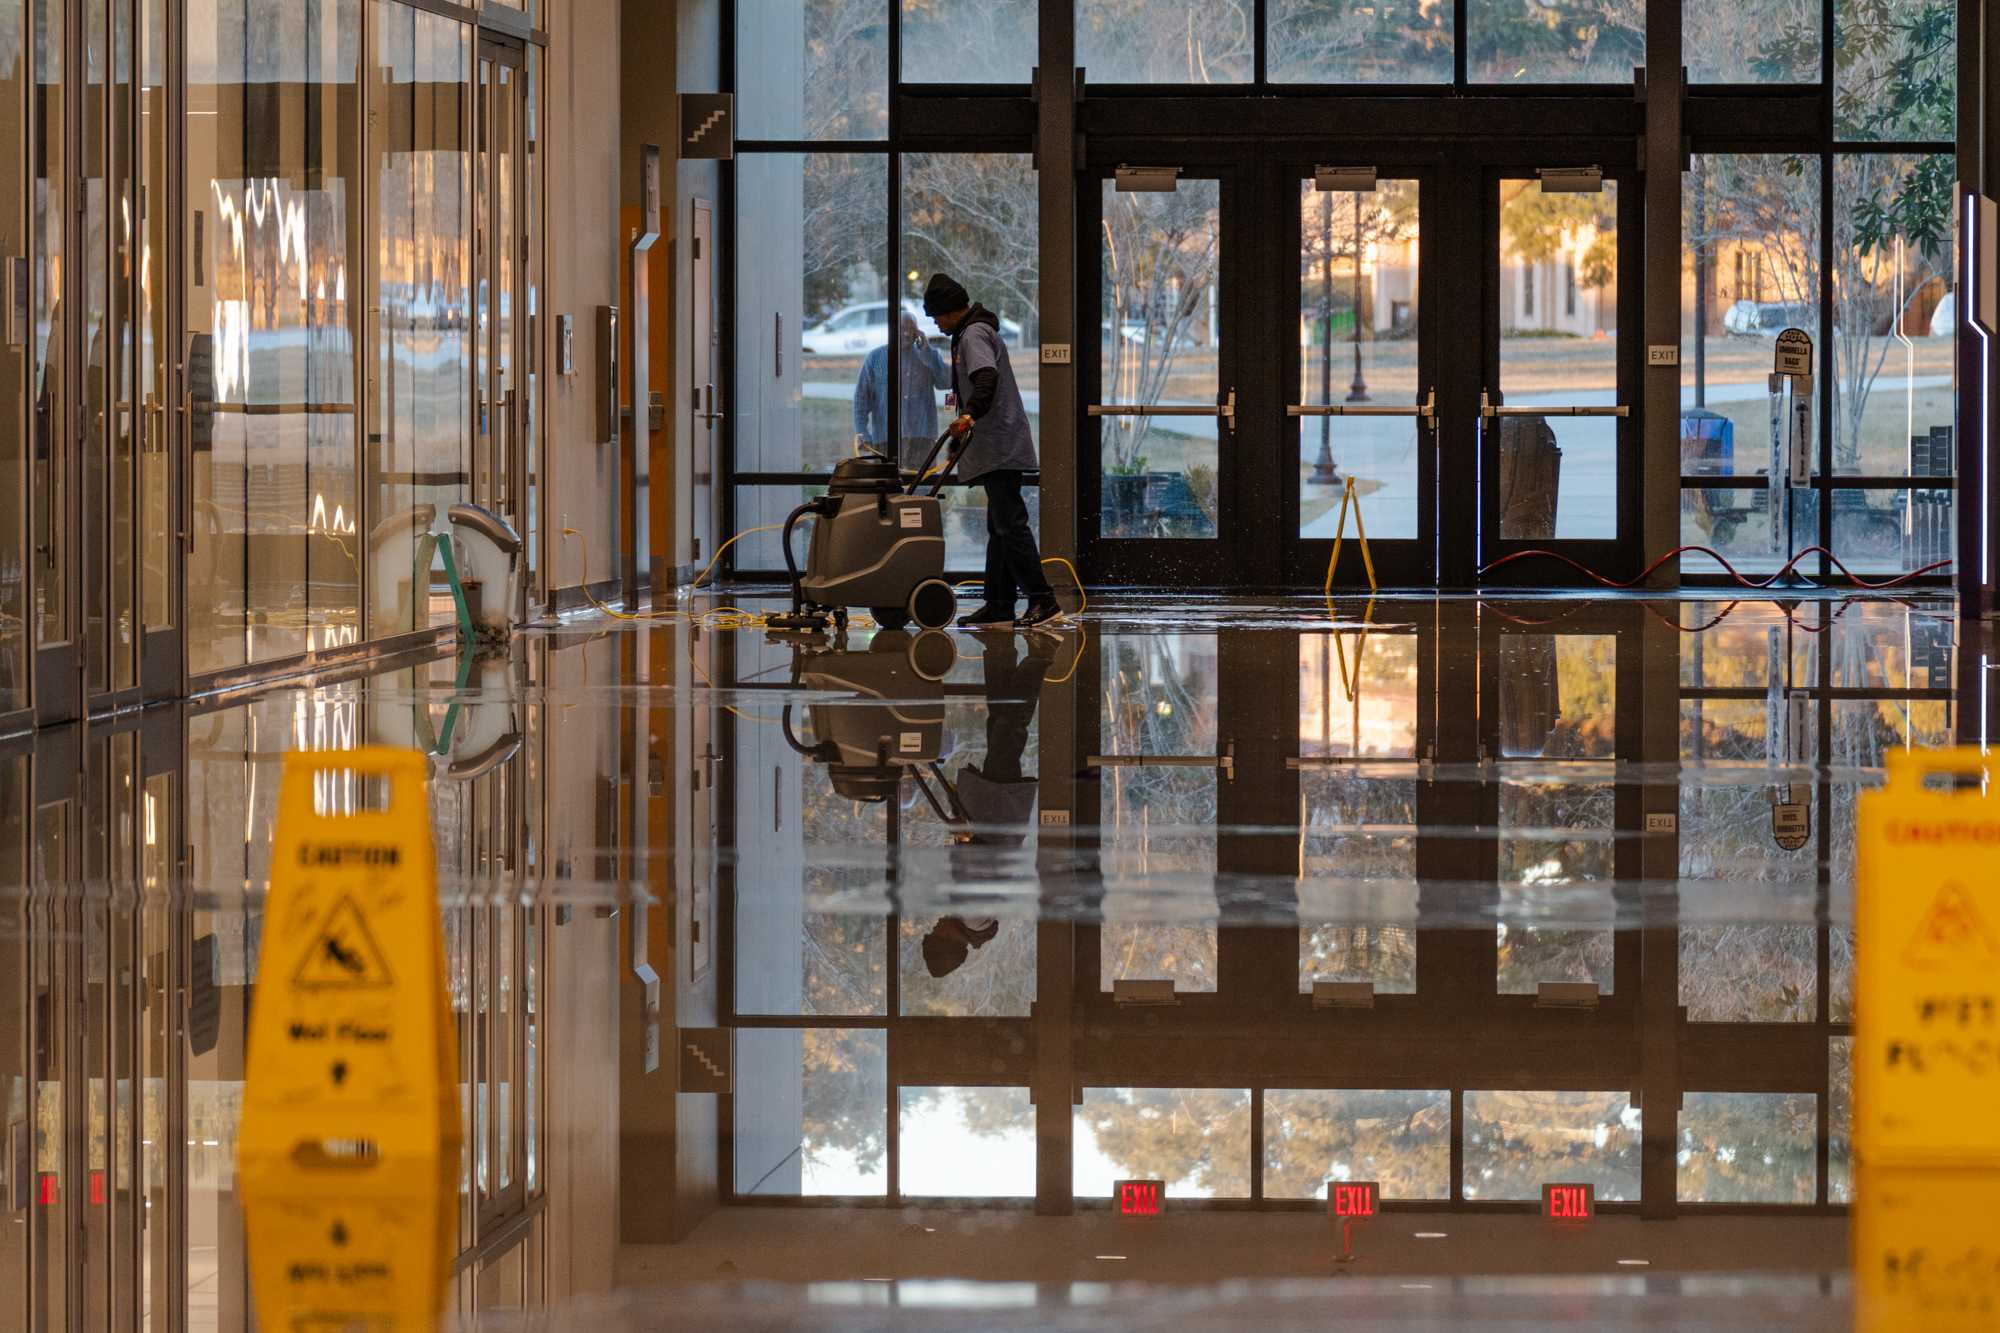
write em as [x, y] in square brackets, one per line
[1760, 585]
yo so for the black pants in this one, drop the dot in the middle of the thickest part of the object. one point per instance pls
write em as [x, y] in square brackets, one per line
[1013, 561]
[1013, 693]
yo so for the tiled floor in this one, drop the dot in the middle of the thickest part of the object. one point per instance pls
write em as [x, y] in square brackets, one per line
[1459, 897]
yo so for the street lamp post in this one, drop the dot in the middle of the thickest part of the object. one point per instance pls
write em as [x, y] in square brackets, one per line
[1324, 473]
[1357, 392]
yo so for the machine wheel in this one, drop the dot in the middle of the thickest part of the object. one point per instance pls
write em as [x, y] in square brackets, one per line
[889, 617]
[933, 604]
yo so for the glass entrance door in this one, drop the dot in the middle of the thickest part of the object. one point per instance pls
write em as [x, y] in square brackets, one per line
[1558, 444]
[1431, 355]
[1360, 431]
[1159, 378]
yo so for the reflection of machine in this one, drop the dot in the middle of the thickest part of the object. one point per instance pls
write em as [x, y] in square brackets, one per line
[878, 544]
[893, 720]
[481, 726]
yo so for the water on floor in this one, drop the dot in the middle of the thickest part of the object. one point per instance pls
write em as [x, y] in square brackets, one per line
[879, 967]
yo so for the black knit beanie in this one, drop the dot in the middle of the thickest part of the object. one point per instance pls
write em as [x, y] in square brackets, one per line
[944, 296]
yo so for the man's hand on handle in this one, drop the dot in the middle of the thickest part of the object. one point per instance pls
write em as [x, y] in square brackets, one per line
[959, 430]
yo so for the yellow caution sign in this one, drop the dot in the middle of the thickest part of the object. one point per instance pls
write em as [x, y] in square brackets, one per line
[1350, 498]
[1927, 967]
[1923, 1251]
[377, 1257]
[350, 1140]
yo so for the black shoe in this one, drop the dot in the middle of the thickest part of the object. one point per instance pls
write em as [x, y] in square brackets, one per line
[1041, 613]
[988, 617]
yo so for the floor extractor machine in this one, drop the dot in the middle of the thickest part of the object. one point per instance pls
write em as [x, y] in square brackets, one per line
[878, 545]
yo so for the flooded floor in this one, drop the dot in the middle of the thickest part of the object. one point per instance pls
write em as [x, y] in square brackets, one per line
[896, 970]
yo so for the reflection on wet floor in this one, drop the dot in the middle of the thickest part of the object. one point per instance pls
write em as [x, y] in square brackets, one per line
[1461, 898]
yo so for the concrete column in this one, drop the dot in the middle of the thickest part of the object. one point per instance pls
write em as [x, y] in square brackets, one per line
[1660, 397]
[1055, 160]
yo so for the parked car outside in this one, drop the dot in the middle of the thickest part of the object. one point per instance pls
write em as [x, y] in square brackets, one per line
[1767, 319]
[858, 329]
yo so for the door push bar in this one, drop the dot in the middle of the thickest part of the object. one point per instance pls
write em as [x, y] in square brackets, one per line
[1226, 409]
[1426, 410]
[1487, 409]
[1224, 763]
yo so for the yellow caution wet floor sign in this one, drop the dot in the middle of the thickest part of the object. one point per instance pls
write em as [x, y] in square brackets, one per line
[349, 1150]
[1923, 1251]
[1927, 967]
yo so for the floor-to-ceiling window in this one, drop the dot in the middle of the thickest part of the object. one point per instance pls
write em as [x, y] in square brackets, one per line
[833, 350]
[1837, 223]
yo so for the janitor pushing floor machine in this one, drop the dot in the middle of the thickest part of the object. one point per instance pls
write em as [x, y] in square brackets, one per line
[879, 541]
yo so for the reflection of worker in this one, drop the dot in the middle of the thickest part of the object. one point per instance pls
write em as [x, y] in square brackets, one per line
[951, 941]
[999, 452]
[924, 372]
[995, 801]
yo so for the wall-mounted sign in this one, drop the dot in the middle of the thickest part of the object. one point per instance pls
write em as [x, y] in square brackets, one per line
[708, 126]
[1569, 1203]
[1139, 1198]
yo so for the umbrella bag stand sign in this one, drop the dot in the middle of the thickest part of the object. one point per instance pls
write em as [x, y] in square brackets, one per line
[349, 1150]
[1927, 966]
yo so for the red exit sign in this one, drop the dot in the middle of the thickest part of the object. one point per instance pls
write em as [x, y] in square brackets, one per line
[1353, 1198]
[1139, 1198]
[1569, 1203]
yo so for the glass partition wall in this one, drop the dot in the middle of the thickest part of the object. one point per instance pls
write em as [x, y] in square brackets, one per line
[242, 237]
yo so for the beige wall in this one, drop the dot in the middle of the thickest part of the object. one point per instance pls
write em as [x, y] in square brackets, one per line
[582, 248]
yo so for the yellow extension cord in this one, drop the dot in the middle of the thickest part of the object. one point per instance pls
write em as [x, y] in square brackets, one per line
[733, 617]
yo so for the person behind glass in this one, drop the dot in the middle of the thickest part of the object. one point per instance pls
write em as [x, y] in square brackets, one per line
[924, 372]
[1000, 450]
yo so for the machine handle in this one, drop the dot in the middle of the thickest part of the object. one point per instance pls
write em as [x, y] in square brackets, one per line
[710, 416]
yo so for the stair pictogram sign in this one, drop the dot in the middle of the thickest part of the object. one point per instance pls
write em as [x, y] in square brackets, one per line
[708, 1059]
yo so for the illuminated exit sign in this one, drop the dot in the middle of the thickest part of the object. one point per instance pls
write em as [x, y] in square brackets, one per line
[1569, 1203]
[1353, 1198]
[1139, 1198]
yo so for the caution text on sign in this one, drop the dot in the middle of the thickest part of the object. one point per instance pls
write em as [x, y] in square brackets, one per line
[1927, 968]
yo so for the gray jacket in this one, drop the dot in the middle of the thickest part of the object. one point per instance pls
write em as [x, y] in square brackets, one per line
[1001, 437]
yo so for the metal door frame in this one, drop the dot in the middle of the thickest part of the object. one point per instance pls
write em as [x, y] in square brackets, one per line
[1619, 556]
[1191, 561]
[1398, 562]
[505, 453]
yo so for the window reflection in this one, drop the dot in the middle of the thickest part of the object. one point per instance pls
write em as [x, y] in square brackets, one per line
[1195, 1139]
[1747, 1147]
[811, 1111]
[420, 408]
[1399, 1139]
[1515, 1142]
[1749, 973]
[270, 254]
[967, 1143]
